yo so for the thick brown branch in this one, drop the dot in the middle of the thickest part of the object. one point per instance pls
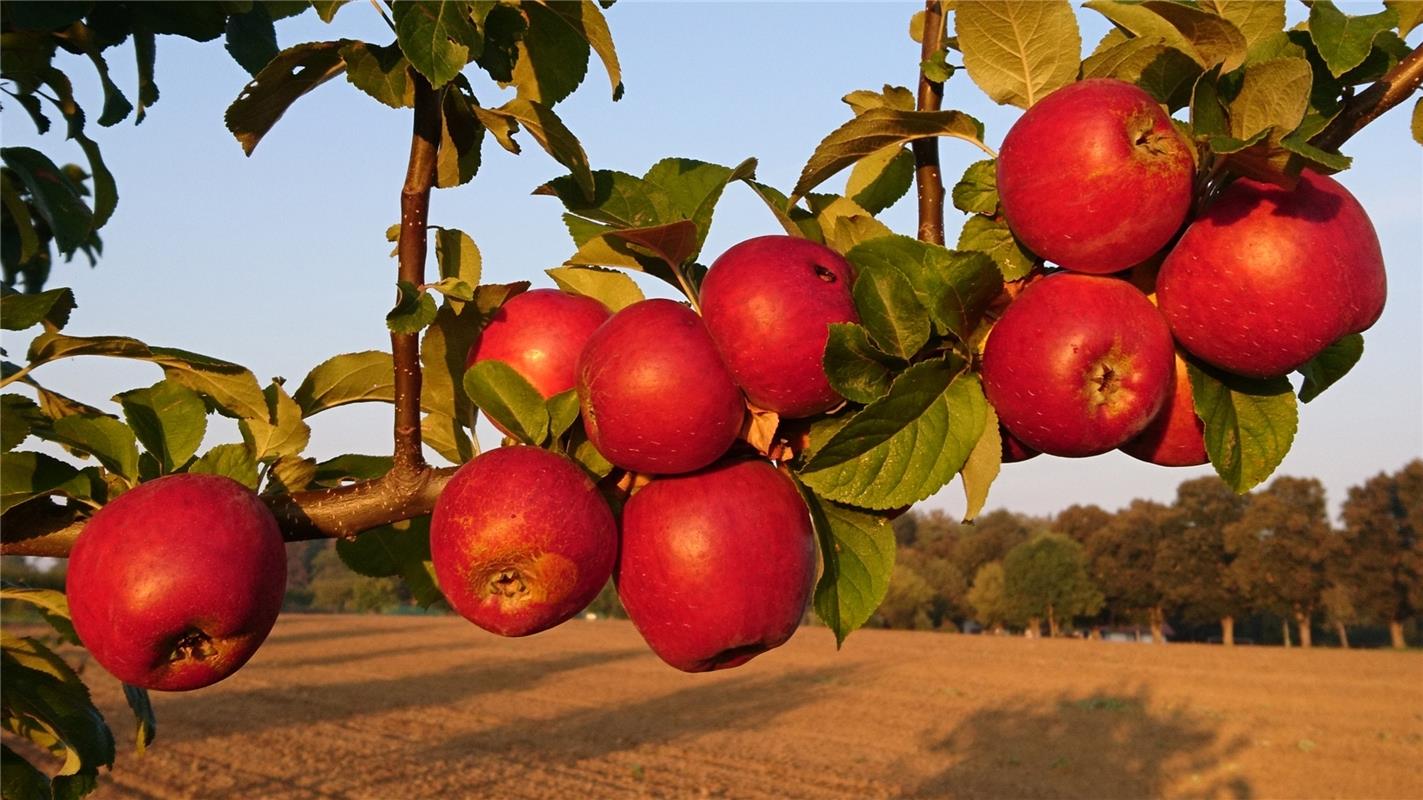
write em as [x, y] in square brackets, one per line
[929, 183]
[1390, 90]
[414, 217]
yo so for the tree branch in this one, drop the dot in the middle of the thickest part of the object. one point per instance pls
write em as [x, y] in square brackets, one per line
[929, 183]
[1390, 90]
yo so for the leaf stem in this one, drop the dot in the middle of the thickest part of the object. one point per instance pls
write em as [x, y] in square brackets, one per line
[928, 181]
[16, 375]
[1393, 88]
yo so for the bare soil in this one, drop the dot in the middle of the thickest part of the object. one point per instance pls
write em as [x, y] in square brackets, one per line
[391, 707]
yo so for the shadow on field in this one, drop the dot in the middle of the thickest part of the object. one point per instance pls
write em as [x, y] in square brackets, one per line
[1101, 745]
[250, 710]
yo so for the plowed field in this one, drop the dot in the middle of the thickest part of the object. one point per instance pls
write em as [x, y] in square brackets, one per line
[394, 708]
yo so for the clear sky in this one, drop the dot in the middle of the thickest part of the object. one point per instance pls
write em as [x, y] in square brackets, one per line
[280, 261]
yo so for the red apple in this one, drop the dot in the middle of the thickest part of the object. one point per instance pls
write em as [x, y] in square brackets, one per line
[521, 540]
[1269, 277]
[655, 395]
[175, 583]
[540, 333]
[768, 304]
[1176, 437]
[1094, 177]
[1013, 448]
[1078, 364]
[716, 567]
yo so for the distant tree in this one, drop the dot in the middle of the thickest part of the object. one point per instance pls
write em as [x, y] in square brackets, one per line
[937, 533]
[906, 605]
[989, 539]
[1337, 603]
[989, 601]
[607, 605]
[1383, 520]
[34, 573]
[1283, 545]
[334, 587]
[1079, 522]
[1046, 578]
[1121, 558]
[1192, 568]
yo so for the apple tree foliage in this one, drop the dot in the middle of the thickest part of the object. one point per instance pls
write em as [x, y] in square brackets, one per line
[1254, 98]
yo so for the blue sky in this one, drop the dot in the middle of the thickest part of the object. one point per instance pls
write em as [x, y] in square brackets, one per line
[280, 261]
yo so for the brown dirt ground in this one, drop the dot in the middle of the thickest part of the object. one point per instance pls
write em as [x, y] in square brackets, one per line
[390, 707]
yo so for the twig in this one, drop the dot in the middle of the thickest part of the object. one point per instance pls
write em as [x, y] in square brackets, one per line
[928, 181]
[1393, 88]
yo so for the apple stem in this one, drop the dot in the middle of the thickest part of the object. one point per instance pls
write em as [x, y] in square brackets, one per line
[928, 181]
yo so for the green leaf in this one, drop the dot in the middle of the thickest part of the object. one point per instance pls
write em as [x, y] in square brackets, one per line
[19, 416]
[52, 605]
[857, 550]
[444, 351]
[381, 72]
[875, 130]
[1164, 72]
[20, 214]
[982, 466]
[844, 223]
[856, 369]
[586, 19]
[659, 250]
[890, 310]
[294, 72]
[879, 179]
[252, 39]
[326, 9]
[1249, 424]
[290, 474]
[1416, 125]
[1325, 369]
[352, 466]
[977, 191]
[232, 460]
[794, 221]
[549, 131]
[553, 57]
[1344, 41]
[105, 438]
[145, 723]
[956, 287]
[1410, 14]
[57, 199]
[896, 97]
[458, 256]
[905, 446]
[508, 399]
[413, 311]
[21, 780]
[611, 288]
[282, 432]
[461, 139]
[1274, 94]
[364, 377]
[691, 189]
[382, 552]
[1320, 160]
[1018, 51]
[502, 26]
[1257, 20]
[562, 413]
[618, 199]
[992, 237]
[587, 455]
[21, 311]
[1205, 37]
[437, 36]
[169, 419]
[937, 67]
[447, 437]
[419, 577]
[43, 695]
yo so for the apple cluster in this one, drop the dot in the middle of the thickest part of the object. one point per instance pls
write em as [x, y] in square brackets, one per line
[713, 552]
[1088, 358]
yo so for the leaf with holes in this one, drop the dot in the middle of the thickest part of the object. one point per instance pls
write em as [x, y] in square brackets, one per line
[294, 72]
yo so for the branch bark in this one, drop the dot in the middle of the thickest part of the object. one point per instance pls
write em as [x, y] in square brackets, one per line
[1393, 88]
[928, 181]
[43, 528]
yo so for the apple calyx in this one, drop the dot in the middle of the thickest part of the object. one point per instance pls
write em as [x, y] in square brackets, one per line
[193, 645]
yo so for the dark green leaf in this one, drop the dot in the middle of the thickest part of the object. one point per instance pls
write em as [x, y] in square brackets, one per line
[1325, 369]
[1320, 160]
[1344, 41]
[252, 39]
[905, 446]
[855, 367]
[977, 191]
[461, 140]
[794, 221]
[20, 311]
[447, 437]
[294, 72]
[879, 179]
[19, 214]
[169, 419]
[437, 36]
[30, 475]
[18, 416]
[551, 134]
[145, 724]
[381, 72]
[363, 377]
[351, 466]
[1275, 94]
[144, 50]
[21, 780]
[509, 399]
[619, 199]
[413, 311]
[52, 605]
[586, 19]
[691, 189]
[890, 310]
[956, 287]
[502, 27]
[57, 199]
[1249, 424]
[562, 413]
[40, 686]
[553, 57]
[1018, 51]
[857, 550]
[232, 460]
[611, 288]
[875, 130]
[105, 438]
[419, 577]
[382, 552]
[106, 195]
[326, 9]
[992, 236]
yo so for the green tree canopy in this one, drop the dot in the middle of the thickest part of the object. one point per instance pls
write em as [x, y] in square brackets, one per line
[1046, 578]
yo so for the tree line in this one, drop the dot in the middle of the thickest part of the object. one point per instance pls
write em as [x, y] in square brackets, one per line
[1207, 562]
